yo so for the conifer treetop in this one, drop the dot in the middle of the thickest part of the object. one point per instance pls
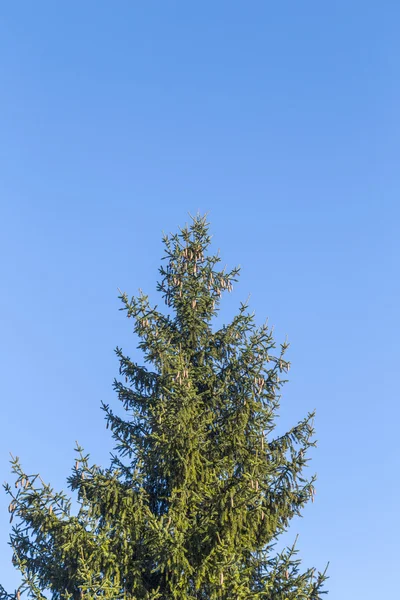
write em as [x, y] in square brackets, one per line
[199, 486]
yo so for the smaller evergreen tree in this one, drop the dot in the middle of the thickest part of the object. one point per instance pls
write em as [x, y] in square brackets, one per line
[199, 487]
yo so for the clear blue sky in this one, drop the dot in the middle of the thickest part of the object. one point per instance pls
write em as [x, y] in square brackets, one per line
[279, 118]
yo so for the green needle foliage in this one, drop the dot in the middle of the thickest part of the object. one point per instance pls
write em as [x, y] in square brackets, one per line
[199, 487]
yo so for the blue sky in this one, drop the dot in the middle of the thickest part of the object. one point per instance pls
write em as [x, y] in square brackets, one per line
[281, 120]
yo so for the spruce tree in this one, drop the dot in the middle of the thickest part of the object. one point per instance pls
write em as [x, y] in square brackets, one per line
[199, 486]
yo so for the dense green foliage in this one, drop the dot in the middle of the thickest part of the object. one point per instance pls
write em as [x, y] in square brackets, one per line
[199, 488]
